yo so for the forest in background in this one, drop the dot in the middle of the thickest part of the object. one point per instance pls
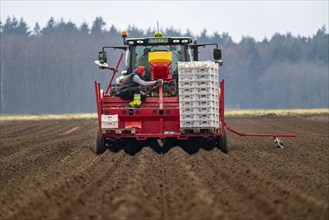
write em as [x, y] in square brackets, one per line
[52, 70]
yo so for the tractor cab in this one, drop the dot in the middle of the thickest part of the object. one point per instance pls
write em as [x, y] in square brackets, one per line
[140, 50]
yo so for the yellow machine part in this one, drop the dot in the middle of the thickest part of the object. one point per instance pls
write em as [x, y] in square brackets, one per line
[160, 57]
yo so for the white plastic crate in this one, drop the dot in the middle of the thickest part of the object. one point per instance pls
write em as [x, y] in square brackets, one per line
[200, 110]
[206, 97]
[202, 66]
[186, 104]
[206, 90]
[187, 110]
[186, 91]
[205, 73]
[205, 116]
[186, 77]
[182, 65]
[187, 117]
[186, 84]
[204, 84]
[205, 65]
[187, 124]
[205, 76]
[187, 97]
[205, 109]
[202, 76]
[206, 124]
[198, 94]
[207, 103]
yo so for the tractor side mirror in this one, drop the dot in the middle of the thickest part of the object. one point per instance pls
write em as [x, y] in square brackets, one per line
[218, 56]
[102, 57]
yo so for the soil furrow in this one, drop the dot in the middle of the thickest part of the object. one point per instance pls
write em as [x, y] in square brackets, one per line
[186, 192]
[49, 171]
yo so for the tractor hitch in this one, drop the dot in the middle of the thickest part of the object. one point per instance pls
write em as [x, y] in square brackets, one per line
[277, 141]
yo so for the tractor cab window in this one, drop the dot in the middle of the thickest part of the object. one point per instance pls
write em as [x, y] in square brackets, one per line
[140, 55]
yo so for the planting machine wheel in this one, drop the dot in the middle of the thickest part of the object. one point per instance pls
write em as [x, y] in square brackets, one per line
[115, 147]
[132, 146]
[191, 145]
[222, 143]
[100, 143]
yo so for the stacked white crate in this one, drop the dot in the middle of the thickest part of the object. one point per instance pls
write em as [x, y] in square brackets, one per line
[198, 95]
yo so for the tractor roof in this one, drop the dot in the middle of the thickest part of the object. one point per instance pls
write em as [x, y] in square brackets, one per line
[157, 40]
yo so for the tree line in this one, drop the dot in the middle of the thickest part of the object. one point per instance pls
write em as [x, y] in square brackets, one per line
[51, 69]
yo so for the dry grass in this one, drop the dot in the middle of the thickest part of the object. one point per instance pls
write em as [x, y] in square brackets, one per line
[4, 118]
[230, 113]
[278, 112]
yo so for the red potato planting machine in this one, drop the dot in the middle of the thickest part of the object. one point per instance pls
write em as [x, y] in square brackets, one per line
[187, 109]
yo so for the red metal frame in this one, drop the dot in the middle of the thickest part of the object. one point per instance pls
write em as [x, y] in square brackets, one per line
[221, 106]
[258, 135]
[158, 116]
[155, 124]
[115, 70]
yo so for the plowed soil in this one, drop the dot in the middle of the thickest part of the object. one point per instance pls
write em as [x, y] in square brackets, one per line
[49, 171]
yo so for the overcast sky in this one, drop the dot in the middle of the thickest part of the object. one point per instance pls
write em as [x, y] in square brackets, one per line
[256, 19]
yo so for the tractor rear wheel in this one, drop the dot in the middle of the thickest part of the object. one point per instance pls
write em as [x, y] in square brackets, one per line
[222, 143]
[100, 143]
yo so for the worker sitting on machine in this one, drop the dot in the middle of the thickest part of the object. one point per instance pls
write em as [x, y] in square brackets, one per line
[130, 87]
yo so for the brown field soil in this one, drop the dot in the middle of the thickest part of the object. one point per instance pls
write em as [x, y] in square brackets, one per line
[49, 171]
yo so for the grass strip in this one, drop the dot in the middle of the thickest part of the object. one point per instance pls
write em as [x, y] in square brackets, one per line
[229, 113]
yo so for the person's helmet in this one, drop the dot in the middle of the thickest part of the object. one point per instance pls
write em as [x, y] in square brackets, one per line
[140, 70]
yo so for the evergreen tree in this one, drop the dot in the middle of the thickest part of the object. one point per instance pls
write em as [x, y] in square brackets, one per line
[36, 29]
[56, 70]
[203, 37]
[135, 32]
[22, 28]
[12, 26]
[84, 28]
[98, 26]
[50, 27]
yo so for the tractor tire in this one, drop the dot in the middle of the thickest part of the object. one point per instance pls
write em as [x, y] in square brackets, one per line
[132, 146]
[100, 143]
[115, 147]
[222, 143]
[208, 145]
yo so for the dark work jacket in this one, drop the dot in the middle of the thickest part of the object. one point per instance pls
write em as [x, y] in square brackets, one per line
[129, 84]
